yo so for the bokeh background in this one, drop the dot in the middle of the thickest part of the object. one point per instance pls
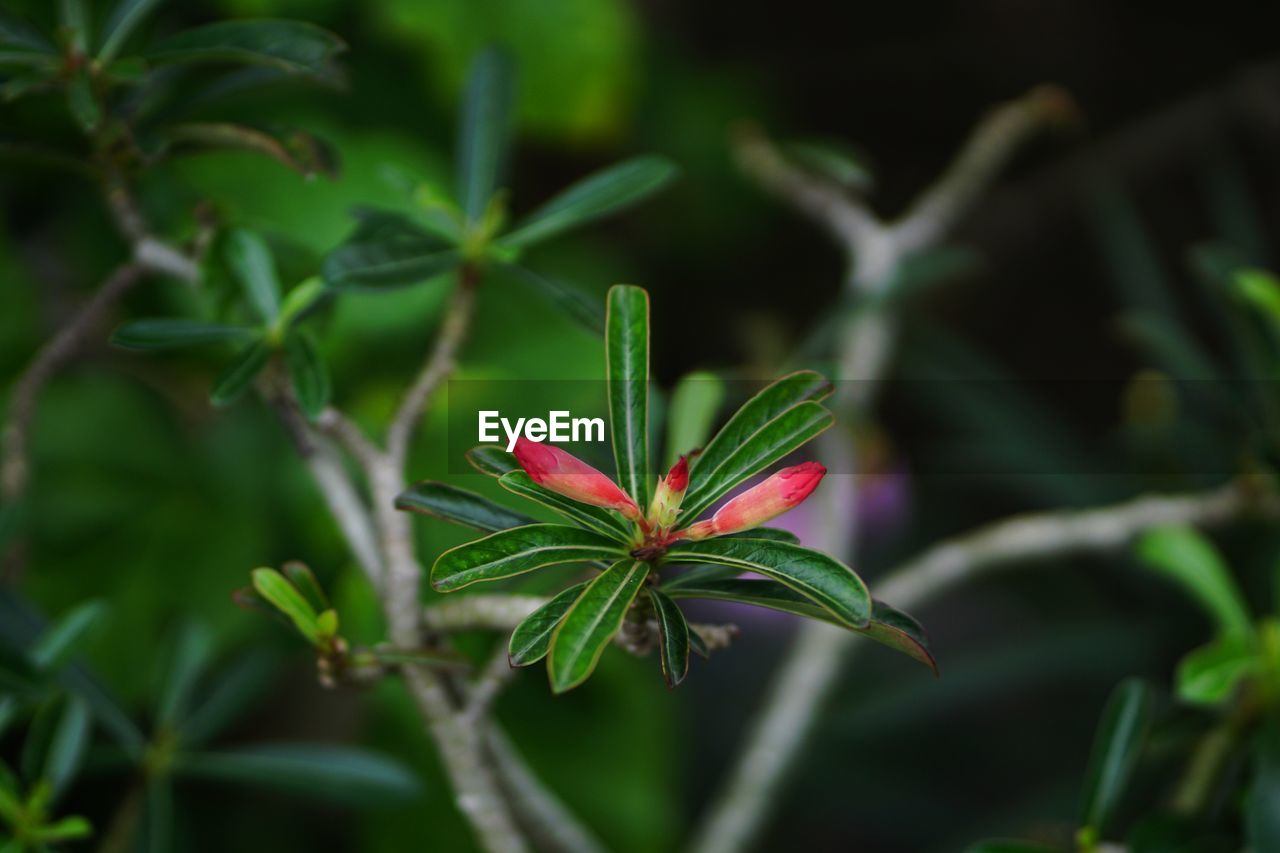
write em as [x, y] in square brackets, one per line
[147, 498]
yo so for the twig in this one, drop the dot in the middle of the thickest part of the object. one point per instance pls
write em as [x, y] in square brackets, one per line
[552, 826]
[340, 494]
[485, 689]
[438, 366]
[59, 350]
[480, 612]
[874, 250]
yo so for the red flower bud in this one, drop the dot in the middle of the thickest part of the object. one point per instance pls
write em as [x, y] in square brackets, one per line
[568, 475]
[760, 503]
[678, 477]
[669, 494]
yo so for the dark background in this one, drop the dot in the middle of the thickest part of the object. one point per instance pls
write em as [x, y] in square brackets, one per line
[146, 498]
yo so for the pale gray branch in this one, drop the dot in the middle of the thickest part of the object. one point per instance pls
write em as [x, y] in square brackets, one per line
[439, 365]
[876, 250]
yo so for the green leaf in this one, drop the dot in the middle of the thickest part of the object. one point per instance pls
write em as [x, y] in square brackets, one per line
[239, 374]
[1189, 559]
[123, 20]
[1116, 749]
[293, 47]
[573, 302]
[757, 413]
[601, 520]
[1211, 674]
[163, 333]
[66, 829]
[189, 656]
[82, 102]
[822, 579]
[519, 550]
[299, 301]
[694, 403]
[17, 35]
[286, 598]
[459, 506]
[337, 773]
[788, 431]
[1262, 804]
[771, 533]
[249, 259]
[627, 372]
[58, 641]
[73, 21]
[307, 372]
[67, 745]
[1260, 289]
[230, 693]
[492, 460]
[673, 634]
[888, 626]
[580, 638]
[484, 131]
[388, 250]
[532, 637]
[602, 194]
[304, 580]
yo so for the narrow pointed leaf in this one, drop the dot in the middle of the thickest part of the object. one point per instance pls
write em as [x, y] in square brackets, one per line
[301, 300]
[339, 773]
[164, 333]
[1189, 559]
[790, 430]
[1116, 748]
[484, 130]
[888, 626]
[19, 36]
[532, 638]
[389, 250]
[59, 640]
[581, 637]
[67, 745]
[694, 403]
[293, 47]
[492, 460]
[250, 261]
[308, 372]
[304, 580]
[459, 506]
[282, 595]
[1211, 674]
[66, 829]
[237, 376]
[230, 693]
[627, 372]
[673, 634]
[572, 301]
[123, 20]
[519, 550]
[304, 153]
[602, 194]
[602, 521]
[818, 577]
[772, 533]
[189, 656]
[1262, 804]
[756, 413]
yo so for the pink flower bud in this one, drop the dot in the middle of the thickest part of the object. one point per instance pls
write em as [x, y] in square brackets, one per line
[760, 503]
[566, 474]
[669, 494]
